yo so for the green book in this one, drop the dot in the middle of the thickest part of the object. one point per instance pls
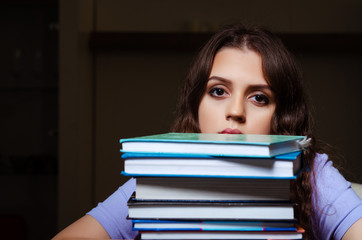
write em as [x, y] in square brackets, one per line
[230, 145]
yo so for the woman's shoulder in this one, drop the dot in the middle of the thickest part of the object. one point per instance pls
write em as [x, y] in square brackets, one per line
[326, 175]
[336, 205]
[320, 160]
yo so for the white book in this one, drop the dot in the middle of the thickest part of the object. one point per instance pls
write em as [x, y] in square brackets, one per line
[192, 165]
[220, 235]
[179, 188]
[210, 210]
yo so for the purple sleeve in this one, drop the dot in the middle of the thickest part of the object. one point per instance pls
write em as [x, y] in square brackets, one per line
[335, 203]
[112, 213]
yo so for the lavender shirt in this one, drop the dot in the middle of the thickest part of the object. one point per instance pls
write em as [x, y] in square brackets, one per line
[336, 204]
[112, 213]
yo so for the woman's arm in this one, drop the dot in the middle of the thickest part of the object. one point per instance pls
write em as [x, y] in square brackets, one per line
[354, 232]
[107, 220]
[85, 227]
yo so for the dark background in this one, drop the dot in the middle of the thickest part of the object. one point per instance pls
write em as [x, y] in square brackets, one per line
[77, 75]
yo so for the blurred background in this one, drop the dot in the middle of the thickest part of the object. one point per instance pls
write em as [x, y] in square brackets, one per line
[78, 75]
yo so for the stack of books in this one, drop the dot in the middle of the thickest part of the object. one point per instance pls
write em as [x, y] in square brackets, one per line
[213, 186]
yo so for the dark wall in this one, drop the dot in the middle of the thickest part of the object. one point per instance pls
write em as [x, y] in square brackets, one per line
[28, 119]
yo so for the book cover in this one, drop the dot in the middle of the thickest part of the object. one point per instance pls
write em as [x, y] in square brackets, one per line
[214, 144]
[156, 164]
[209, 210]
[217, 189]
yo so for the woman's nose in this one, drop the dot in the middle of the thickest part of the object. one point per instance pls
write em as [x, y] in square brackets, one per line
[236, 110]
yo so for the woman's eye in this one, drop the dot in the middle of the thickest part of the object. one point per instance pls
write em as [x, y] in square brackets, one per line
[260, 99]
[217, 92]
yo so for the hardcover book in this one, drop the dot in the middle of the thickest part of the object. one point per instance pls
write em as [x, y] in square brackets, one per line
[188, 225]
[220, 235]
[193, 165]
[217, 189]
[210, 210]
[214, 144]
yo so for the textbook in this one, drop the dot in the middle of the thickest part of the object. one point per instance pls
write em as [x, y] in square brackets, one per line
[237, 235]
[188, 225]
[216, 189]
[214, 144]
[209, 210]
[197, 165]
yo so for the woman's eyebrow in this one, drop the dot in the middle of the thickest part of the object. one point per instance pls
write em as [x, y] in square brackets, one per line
[217, 78]
[255, 86]
[260, 86]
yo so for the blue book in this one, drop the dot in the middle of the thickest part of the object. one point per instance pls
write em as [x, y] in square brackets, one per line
[188, 225]
[214, 144]
[285, 166]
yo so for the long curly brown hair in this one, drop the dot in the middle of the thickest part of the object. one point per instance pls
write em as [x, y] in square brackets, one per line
[292, 115]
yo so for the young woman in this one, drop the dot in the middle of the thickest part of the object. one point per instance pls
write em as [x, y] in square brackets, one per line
[244, 81]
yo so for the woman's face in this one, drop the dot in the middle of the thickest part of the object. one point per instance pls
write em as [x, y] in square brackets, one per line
[237, 100]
